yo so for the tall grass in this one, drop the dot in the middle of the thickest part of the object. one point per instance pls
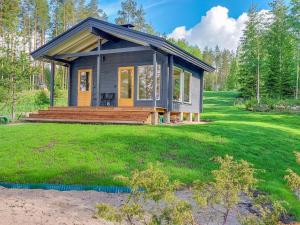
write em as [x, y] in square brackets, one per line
[26, 103]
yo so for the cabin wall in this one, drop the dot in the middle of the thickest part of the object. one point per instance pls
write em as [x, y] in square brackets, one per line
[109, 72]
[196, 90]
[109, 77]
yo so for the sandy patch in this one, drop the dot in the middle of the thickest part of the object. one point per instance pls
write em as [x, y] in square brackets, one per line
[45, 207]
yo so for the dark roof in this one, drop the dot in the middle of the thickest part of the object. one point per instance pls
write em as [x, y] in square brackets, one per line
[113, 29]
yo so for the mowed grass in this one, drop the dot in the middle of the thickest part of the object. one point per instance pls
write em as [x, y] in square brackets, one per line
[95, 154]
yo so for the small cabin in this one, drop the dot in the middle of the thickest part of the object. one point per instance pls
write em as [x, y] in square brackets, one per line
[120, 75]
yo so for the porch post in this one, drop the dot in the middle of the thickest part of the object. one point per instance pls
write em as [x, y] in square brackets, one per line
[170, 91]
[69, 85]
[52, 84]
[154, 79]
[98, 73]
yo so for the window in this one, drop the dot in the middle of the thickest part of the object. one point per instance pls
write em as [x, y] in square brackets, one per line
[145, 82]
[181, 85]
[84, 81]
[177, 90]
[187, 87]
[125, 83]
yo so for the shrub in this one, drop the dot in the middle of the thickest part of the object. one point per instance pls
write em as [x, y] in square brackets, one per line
[293, 179]
[233, 178]
[268, 212]
[149, 185]
[42, 98]
[278, 105]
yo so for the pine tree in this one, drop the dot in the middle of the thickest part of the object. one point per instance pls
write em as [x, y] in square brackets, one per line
[131, 13]
[250, 56]
[294, 19]
[231, 82]
[95, 11]
[279, 82]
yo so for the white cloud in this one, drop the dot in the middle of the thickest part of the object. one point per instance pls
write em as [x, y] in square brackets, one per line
[215, 28]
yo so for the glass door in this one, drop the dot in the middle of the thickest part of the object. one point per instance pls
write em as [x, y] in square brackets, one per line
[126, 86]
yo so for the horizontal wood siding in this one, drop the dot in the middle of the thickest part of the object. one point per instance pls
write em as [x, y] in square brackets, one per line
[109, 72]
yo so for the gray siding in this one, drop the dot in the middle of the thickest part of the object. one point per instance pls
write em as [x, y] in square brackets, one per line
[109, 76]
[196, 91]
[109, 72]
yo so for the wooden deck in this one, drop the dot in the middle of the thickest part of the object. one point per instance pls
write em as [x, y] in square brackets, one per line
[107, 115]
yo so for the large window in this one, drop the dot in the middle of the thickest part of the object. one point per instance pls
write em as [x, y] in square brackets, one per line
[187, 87]
[145, 82]
[177, 90]
[181, 85]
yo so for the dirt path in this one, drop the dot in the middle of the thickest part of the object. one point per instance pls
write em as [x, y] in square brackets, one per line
[41, 207]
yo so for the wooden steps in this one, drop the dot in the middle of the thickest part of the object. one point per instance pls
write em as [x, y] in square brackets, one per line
[110, 115]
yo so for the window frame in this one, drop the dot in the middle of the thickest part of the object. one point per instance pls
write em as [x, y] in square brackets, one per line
[190, 91]
[180, 84]
[138, 83]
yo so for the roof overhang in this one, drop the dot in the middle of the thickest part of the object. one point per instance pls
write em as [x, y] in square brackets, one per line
[84, 37]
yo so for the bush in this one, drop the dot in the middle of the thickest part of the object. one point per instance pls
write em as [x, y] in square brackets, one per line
[276, 105]
[150, 185]
[232, 179]
[42, 98]
[293, 179]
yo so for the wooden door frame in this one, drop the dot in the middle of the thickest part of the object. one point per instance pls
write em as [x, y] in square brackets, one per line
[132, 82]
[90, 84]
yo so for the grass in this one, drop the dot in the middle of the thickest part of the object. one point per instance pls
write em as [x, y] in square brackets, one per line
[26, 103]
[95, 154]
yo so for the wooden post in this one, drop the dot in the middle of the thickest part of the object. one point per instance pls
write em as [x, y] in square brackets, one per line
[98, 73]
[154, 118]
[69, 85]
[154, 78]
[170, 90]
[167, 117]
[52, 75]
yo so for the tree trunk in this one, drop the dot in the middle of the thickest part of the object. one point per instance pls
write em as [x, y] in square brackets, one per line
[297, 80]
[14, 98]
[258, 77]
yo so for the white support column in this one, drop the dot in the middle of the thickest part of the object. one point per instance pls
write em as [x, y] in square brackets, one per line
[181, 116]
[190, 117]
[197, 117]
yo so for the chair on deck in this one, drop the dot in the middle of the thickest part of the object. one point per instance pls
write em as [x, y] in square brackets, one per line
[107, 99]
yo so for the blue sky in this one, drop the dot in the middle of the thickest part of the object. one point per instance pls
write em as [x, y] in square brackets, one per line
[165, 15]
[200, 22]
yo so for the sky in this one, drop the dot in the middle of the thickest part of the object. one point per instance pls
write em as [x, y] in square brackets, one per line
[200, 22]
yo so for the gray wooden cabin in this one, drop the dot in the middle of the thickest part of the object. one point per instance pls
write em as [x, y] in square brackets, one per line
[115, 68]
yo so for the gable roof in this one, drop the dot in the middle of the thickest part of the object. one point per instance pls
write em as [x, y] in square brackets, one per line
[81, 32]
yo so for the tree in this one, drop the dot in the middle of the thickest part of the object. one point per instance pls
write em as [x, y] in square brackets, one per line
[231, 82]
[250, 56]
[95, 11]
[192, 49]
[279, 81]
[131, 13]
[295, 27]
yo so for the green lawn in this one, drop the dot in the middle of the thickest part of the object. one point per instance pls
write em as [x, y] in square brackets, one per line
[94, 154]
